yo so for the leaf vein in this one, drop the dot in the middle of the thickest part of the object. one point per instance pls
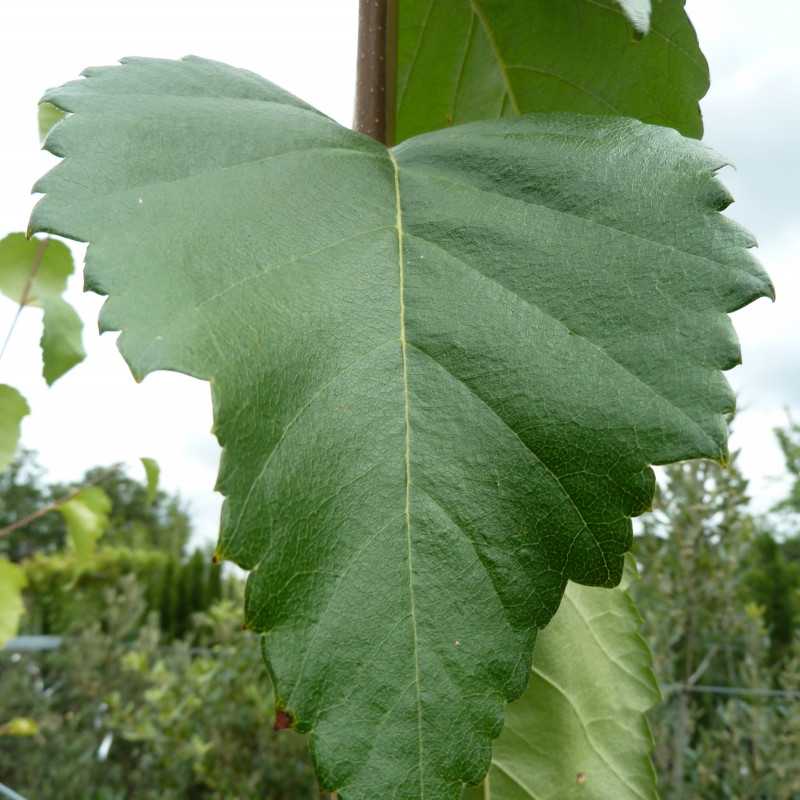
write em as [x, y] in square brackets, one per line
[407, 459]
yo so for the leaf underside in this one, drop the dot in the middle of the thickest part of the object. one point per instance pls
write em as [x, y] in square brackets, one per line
[488, 59]
[439, 374]
[580, 729]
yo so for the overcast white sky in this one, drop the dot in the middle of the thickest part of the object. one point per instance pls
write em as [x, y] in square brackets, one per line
[97, 414]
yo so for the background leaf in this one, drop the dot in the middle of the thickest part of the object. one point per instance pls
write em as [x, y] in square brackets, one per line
[86, 515]
[152, 472]
[34, 272]
[12, 582]
[13, 407]
[464, 60]
[18, 260]
[439, 374]
[580, 729]
[62, 346]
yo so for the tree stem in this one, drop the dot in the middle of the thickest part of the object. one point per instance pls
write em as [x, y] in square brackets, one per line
[54, 506]
[374, 95]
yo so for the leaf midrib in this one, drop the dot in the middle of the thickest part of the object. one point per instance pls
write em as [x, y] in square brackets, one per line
[407, 458]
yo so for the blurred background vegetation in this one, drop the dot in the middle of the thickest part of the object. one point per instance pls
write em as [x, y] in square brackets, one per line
[155, 691]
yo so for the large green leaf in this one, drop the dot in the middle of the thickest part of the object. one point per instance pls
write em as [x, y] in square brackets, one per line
[12, 582]
[465, 60]
[86, 516]
[34, 272]
[13, 407]
[439, 374]
[580, 729]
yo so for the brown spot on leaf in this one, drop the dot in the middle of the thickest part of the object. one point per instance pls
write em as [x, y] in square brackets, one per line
[580, 778]
[283, 720]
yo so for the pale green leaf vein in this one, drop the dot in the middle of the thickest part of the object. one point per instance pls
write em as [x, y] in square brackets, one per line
[618, 662]
[407, 458]
[589, 737]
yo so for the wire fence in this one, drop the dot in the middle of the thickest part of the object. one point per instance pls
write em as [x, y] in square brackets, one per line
[787, 694]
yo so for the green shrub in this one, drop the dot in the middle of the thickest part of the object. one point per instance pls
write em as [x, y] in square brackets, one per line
[184, 720]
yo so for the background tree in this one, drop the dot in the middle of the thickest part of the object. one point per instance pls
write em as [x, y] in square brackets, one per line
[719, 601]
[135, 521]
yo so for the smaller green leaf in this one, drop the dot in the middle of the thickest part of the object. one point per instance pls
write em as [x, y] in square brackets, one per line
[31, 269]
[152, 472]
[48, 115]
[638, 12]
[34, 272]
[13, 407]
[62, 346]
[580, 731]
[12, 582]
[86, 515]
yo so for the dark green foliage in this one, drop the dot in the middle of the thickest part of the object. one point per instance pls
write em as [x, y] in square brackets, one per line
[773, 582]
[178, 590]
